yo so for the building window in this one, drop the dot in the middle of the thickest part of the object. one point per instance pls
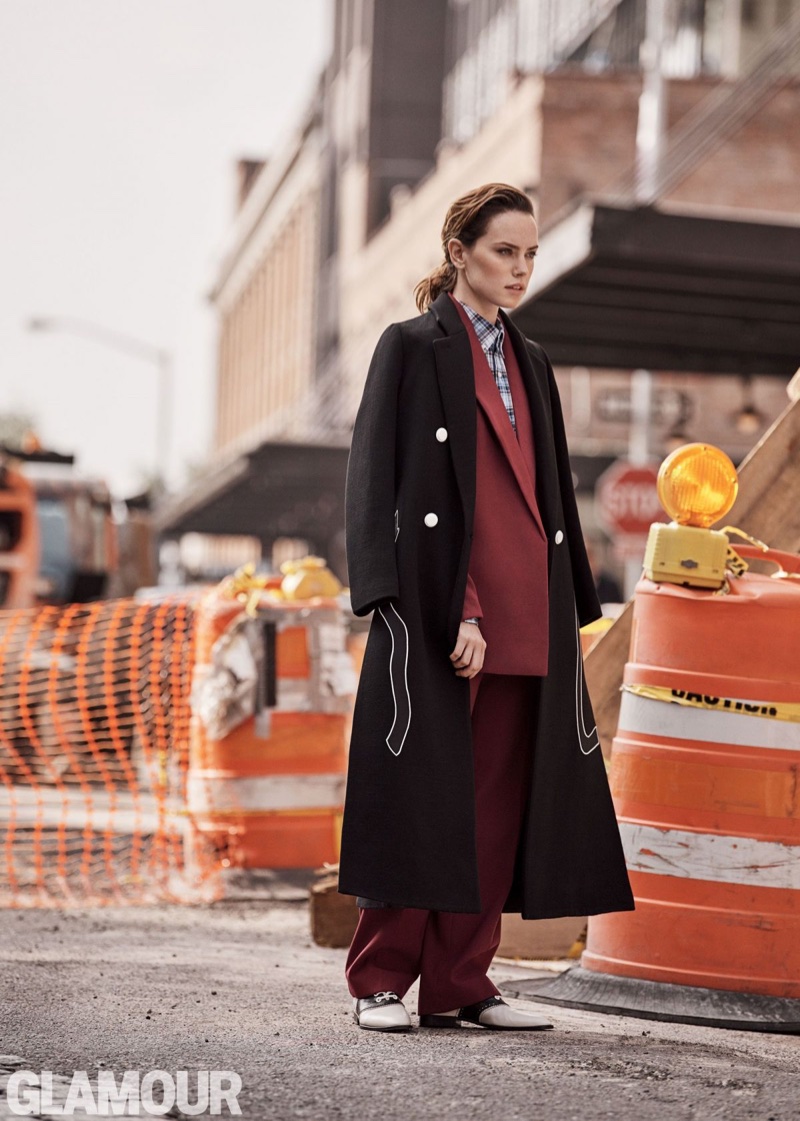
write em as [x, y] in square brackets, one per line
[750, 12]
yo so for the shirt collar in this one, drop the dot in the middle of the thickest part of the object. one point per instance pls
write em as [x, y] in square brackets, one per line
[490, 335]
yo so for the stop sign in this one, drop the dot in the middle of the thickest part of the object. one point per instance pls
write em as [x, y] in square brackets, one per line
[627, 500]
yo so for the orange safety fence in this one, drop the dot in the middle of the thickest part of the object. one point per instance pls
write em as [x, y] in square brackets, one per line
[94, 751]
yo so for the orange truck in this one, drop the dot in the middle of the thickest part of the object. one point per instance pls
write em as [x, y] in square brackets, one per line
[19, 538]
[58, 539]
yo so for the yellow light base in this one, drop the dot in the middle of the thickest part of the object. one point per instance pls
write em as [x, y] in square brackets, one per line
[688, 555]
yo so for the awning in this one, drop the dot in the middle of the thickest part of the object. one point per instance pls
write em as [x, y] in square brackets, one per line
[618, 287]
[667, 289]
[279, 489]
[289, 490]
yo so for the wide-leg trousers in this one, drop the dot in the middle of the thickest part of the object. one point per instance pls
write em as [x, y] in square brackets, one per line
[451, 951]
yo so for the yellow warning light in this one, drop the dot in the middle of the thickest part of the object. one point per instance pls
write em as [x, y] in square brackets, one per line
[697, 484]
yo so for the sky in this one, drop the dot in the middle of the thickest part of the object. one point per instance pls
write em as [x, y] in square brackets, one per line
[120, 125]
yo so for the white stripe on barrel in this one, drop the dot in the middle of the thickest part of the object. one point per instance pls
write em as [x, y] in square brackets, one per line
[710, 856]
[668, 720]
[211, 793]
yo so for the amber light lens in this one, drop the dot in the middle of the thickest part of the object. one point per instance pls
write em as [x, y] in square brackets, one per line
[697, 484]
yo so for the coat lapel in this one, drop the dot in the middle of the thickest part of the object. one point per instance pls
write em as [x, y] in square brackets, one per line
[454, 363]
[454, 371]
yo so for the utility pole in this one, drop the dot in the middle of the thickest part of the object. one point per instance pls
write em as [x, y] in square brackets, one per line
[652, 104]
[650, 130]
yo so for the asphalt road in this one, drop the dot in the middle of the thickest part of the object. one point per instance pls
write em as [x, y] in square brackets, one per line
[241, 987]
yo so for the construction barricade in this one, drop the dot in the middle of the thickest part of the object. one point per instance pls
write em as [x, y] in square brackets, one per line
[273, 686]
[703, 773]
[94, 737]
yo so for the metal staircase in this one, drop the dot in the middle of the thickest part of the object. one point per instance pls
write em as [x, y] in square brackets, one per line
[719, 115]
[573, 22]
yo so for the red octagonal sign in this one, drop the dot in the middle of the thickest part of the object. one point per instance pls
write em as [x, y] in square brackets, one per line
[627, 500]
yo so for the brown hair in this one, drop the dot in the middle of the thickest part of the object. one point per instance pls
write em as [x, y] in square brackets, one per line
[467, 219]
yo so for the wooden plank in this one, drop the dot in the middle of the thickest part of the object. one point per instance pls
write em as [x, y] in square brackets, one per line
[604, 665]
[541, 939]
[768, 506]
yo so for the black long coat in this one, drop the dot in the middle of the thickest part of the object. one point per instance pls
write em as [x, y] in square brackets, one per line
[408, 835]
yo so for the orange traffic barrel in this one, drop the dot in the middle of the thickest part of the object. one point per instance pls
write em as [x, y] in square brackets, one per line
[704, 770]
[267, 755]
[704, 780]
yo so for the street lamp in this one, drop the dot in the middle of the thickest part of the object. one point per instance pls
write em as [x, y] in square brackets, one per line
[136, 348]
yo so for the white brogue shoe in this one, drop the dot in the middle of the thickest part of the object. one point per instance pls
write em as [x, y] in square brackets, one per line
[492, 1013]
[383, 1011]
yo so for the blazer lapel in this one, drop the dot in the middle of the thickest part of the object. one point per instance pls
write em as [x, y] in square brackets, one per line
[491, 402]
[543, 440]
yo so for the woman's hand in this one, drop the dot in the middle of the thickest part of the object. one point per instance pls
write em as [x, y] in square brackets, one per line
[469, 650]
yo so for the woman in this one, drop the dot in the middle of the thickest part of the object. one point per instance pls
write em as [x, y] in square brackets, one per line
[475, 784]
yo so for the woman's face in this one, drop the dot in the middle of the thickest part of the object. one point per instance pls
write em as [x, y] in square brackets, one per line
[496, 270]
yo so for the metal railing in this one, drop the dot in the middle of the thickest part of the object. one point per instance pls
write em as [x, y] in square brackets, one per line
[718, 115]
[488, 44]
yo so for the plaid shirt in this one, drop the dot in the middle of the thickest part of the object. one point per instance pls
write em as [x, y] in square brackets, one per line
[490, 336]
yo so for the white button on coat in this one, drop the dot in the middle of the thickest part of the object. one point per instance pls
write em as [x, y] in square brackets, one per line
[441, 434]
[559, 537]
[431, 519]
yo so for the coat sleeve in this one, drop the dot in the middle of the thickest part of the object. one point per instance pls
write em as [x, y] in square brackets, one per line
[586, 599]
[370, 489]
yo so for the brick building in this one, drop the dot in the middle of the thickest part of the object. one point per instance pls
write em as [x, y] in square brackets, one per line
[423, 100]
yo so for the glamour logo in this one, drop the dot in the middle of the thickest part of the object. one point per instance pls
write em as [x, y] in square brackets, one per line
[31, 1094]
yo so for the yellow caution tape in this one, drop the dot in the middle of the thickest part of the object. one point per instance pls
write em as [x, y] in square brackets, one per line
[775, 710]
[737, 565]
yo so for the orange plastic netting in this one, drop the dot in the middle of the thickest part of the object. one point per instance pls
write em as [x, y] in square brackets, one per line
[94, 744]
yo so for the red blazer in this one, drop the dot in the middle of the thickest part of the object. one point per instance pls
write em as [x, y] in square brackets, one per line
[508, 579]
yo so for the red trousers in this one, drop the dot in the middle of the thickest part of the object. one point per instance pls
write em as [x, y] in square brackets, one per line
[451, 951]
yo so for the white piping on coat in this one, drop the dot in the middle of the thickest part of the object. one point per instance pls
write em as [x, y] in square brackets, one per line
[580, 717]
[391, 680]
